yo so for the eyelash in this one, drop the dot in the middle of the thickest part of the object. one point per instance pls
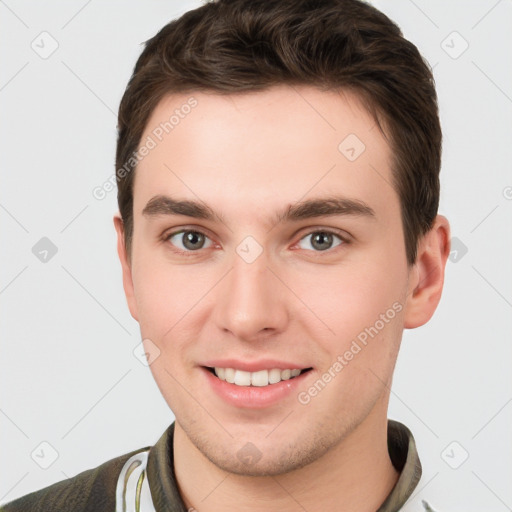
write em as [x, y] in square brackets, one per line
[344, 240]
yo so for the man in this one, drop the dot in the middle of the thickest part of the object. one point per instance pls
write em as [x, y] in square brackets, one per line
[278, 185]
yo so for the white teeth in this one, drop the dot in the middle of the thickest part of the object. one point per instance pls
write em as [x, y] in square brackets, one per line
[229, 375]
[242, 378]
[274, 376]
[260, 378]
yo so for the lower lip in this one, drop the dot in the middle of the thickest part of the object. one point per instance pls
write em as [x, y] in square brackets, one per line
[254, 397]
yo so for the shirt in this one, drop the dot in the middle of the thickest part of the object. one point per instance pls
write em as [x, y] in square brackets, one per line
[144, 481]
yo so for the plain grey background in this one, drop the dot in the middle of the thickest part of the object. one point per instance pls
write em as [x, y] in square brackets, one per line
[74, 394]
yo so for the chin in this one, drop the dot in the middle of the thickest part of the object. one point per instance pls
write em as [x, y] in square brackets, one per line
[265, 457]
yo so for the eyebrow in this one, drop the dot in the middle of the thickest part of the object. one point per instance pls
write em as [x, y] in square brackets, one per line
[320, 207]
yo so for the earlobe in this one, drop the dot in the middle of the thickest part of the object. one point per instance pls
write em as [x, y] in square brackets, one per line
[126, 267]
[426, 277]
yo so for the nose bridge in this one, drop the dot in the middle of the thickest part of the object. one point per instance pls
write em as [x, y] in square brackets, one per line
[250, 301]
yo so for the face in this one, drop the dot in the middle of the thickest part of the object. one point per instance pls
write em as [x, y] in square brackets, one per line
[268, 241]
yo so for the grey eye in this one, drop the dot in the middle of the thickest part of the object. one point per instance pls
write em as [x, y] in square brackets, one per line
[321, 240]
[189, 240]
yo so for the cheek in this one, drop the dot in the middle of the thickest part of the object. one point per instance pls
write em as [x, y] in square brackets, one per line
[161, 294]
[362, 303]
[364, 308]
[154, 300]
[354, 298]
[165, 298]
[173, 302]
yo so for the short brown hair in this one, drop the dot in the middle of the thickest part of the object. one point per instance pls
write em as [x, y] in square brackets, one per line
[236, 46]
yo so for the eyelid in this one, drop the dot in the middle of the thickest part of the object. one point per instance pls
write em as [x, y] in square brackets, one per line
[197, 229]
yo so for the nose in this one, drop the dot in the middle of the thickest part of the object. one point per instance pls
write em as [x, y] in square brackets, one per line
[251, 303]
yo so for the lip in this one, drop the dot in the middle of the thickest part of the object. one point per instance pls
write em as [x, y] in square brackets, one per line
[254, 397]
[254, 366]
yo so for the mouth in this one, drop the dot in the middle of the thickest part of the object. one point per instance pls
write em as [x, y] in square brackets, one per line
[261, 378]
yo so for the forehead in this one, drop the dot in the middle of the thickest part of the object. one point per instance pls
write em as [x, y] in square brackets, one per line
[243, 150]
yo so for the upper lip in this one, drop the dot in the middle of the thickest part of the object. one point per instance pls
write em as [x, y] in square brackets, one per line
[254, 366]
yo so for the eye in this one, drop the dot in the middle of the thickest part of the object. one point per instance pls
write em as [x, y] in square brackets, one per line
[189, 240]
[321, 240]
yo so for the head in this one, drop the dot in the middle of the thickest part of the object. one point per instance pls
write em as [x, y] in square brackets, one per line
[278, 186]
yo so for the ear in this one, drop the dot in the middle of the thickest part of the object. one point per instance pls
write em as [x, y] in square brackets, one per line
[426, 276]
[126, 267]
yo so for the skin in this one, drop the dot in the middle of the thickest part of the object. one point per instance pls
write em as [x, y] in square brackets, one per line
[248, 157]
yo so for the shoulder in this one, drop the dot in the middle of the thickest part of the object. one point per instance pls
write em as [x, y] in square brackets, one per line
[94, 489]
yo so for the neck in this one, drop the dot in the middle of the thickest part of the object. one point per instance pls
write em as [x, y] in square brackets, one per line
[357, 474]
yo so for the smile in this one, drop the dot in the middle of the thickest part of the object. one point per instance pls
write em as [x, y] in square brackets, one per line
[260, 378]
